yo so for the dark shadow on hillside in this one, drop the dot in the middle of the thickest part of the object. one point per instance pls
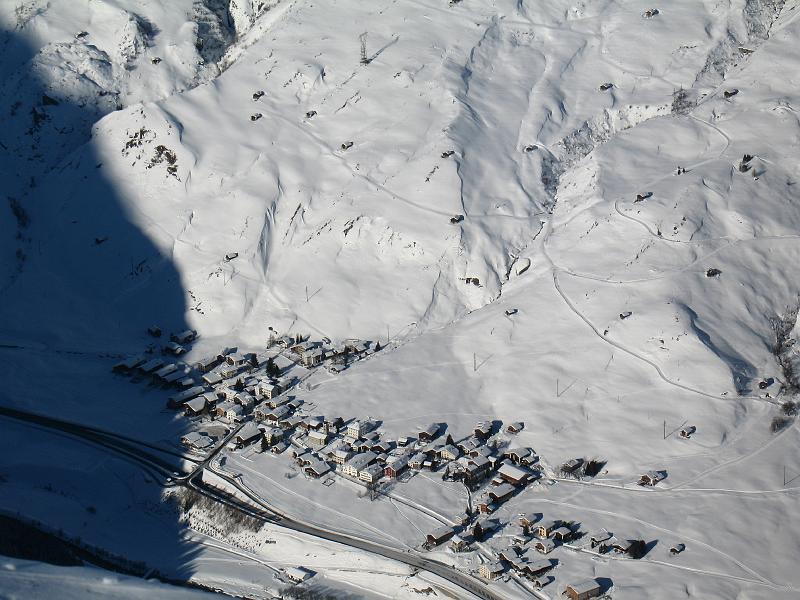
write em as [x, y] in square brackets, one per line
[79, 283]
[742, 372]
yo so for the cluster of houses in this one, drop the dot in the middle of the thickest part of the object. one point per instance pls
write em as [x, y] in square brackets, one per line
[356, 449]
[605, 542]
[234, 385]
[312, 354]
[250, 391]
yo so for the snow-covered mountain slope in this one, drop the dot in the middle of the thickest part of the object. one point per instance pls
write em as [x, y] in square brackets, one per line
[363, 227]
[27, 579]
[650, 263]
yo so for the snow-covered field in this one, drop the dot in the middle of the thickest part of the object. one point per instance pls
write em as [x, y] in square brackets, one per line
[621, 268]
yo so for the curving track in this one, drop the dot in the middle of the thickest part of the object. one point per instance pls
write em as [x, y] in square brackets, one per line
[142, 454]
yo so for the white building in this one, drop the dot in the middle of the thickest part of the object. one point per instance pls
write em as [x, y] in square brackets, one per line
[298, 574]
[491, 570]
[356, 464]
[371, 473]
[341, 456]
[354, 429]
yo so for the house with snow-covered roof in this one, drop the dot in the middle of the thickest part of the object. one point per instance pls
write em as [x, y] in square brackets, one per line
[357, 463]
[513, 474]
[317, 438]
[427, 434]
[395, 466]
[248, 434]
[583, 590]
[195, 406]
[316, 468]
[371, 473]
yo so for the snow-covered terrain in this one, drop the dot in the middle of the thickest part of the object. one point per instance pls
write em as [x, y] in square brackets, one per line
[606, 263]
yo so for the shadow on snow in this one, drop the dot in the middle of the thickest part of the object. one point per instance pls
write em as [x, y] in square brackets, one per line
[79, 284]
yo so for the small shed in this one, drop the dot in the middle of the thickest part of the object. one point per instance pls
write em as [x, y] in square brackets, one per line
[515, 427]
[165, 370]
[651, 478]
[599, 537]
[583, 590]
[677, 549]
[298, 574]
[572, 465]
[174, 348]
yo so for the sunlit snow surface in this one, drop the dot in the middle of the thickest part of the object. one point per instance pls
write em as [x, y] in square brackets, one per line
[169, 161]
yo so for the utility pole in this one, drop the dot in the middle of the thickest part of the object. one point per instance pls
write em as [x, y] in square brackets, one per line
[387, 334]
[474, 362]
[665, 429]
[363, 39]
[306, 293]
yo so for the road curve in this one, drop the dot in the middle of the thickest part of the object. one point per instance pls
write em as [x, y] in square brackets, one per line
[128, 450]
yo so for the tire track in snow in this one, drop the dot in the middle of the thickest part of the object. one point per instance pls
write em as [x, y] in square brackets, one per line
[556, 269]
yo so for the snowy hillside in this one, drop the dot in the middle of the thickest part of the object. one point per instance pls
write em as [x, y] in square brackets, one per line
[579, 215]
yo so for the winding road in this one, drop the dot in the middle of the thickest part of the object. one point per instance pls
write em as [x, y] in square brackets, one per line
[144, 455]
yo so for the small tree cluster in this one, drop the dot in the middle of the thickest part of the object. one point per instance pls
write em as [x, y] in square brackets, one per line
[272, 369]
[297, 592]
[779, 423]
[782, 326]
[19, 212]
[229, 519]
[682, 102]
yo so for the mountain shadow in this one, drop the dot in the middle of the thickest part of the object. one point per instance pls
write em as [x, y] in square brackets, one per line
[79, 284]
